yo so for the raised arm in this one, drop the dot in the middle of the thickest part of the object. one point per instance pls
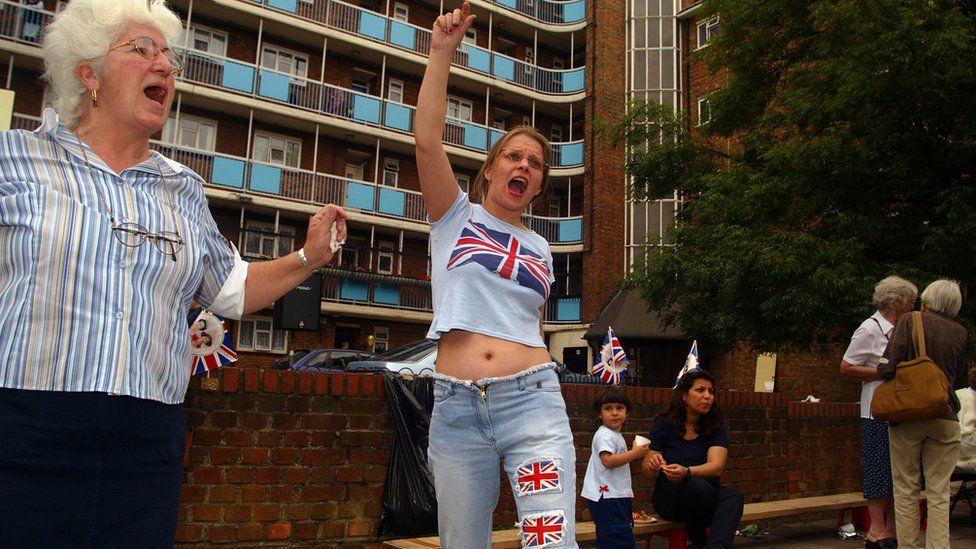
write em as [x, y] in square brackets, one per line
[437, 181]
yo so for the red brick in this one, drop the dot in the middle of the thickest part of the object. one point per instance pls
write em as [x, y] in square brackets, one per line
[190, 494]
[239, 475]
[350, 474]
[252, 380]
[218, 534]
[336, 385]
[204, 512]
[206, 475]
[224, 456]
[267, 512]
[203, 436]
[295, 475]
[237, 513]
[287, 382]
[271, 378]
[230, 379]
[305, 381]
[219, 494]
[186, 533]
[297, 438]
[305, 530]
[321, 384]
[256, 456]
[239, 437]
[267, 475]
[250, 532]
[368, 383]
[359, 528]
[279, 531]
[352, 384]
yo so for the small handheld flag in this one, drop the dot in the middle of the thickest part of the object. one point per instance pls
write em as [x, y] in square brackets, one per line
[691, 363]
[210, 343]
[612, 361]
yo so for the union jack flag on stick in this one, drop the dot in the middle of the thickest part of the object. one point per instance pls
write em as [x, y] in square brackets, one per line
[612, 361]
[691, 363]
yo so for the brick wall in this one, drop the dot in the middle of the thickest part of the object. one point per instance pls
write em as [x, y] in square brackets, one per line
[299, 459]
[603, 190]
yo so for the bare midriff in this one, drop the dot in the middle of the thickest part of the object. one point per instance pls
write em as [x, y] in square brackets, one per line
[471, 356]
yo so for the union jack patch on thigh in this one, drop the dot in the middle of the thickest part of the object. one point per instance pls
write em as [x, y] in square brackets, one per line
[535, 477]
[543, 529]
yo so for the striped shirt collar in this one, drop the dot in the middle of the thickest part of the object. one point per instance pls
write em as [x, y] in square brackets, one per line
[51, 126]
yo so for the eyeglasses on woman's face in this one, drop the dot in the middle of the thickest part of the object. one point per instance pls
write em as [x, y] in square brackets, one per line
[515, 155]
[148, 48]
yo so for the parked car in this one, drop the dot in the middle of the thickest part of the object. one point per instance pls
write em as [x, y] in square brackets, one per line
[285, 362]
[418, 358]
[413, 358]
[323, 360]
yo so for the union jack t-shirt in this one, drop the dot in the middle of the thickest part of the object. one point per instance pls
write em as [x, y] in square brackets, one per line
[488, 276]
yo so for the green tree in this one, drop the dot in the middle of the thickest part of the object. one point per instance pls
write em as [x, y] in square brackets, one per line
[853, 131]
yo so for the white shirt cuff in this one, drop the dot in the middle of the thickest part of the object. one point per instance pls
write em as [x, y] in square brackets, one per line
[229, 302]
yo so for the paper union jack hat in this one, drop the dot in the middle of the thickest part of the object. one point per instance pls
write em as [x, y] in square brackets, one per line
[691, 363]
[210, 345]
[612, 361]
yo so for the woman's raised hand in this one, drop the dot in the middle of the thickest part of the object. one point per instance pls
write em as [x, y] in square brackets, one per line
[449, 29]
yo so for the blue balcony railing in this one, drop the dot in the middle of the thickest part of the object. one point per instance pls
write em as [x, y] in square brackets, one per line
[556, 13]
[563, 310]
[296, 184]
[249, 79]
[379, 28]
[556, 230]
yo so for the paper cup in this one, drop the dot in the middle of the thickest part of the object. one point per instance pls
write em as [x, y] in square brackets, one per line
[640, 441]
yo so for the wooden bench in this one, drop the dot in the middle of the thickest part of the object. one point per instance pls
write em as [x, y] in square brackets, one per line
[675, 532]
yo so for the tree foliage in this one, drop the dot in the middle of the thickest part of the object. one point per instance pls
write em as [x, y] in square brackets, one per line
[853, 150]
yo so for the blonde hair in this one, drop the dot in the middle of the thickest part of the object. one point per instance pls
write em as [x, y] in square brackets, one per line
[84, 31]
[480, 188]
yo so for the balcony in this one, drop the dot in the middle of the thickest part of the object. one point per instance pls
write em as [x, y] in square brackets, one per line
[379, 28]
[296, 184]
[334, 101]
[556, 230]
[563, 310]
[367, 288]
[22, 23]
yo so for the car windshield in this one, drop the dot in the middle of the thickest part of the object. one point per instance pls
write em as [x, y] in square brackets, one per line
[411, 352]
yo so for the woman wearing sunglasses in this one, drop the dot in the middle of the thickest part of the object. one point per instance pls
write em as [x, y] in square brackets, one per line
[496, 394]
[104, 244]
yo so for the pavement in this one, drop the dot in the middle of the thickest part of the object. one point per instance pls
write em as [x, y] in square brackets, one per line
[822, 534]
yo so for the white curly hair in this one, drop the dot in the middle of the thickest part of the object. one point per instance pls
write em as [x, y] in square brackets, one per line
[84, 31]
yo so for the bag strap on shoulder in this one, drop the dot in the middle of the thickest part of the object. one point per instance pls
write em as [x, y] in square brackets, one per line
[918, 333]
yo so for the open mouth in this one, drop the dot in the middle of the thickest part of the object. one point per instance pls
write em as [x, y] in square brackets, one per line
[155, 93]
[517, 186]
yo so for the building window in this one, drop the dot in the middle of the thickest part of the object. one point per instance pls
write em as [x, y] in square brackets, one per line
[349, 256]
[464, 182]
[556, 134]
[395, 91]
[256, 333]
[553, 206]
[262, 241]
[194, 132]
[470, 36]
[277, 149]
[391, 169]
[459, 108]
[707, 30]
[381, 339]
[400, 12]
[529, 60]
[704, 111]
[208, 41]
[362, 80]
[526, 120]
[384, 264]
[284, 60]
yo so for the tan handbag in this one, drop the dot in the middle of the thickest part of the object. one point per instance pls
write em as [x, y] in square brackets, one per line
[918, 392]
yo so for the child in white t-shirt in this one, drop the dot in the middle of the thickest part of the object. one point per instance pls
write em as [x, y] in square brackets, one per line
[606, 487]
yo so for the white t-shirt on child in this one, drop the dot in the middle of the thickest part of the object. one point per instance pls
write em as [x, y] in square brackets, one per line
[600, 481]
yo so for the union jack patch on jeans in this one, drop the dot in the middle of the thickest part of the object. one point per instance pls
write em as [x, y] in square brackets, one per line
[534, 477]
[543, 530]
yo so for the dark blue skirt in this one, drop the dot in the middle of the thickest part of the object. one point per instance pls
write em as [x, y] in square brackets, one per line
[87, 470]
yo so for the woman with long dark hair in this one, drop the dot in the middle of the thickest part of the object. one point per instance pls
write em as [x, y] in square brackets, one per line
[689, 449]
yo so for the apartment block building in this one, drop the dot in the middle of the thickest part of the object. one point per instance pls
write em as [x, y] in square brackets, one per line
[285, 105]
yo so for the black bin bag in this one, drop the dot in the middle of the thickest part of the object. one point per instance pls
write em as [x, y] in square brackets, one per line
[409, 501]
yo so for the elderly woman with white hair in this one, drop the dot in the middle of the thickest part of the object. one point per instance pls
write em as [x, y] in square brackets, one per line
[893, 297]
[104, 244]
[927, 447]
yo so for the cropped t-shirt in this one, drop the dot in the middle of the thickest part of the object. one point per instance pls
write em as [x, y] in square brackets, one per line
[487, 276]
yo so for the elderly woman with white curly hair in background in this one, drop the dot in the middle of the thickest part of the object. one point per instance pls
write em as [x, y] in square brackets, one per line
[893, 297]
[104, 244]
[927, 448]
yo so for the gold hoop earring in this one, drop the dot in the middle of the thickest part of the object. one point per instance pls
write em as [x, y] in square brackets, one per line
[94, 98]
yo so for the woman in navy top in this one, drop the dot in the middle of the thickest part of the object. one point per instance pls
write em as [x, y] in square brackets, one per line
[689, 448]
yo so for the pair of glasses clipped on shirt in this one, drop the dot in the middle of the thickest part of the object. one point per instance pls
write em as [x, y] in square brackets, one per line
[134, 235]
[516, 156]
[148, 48]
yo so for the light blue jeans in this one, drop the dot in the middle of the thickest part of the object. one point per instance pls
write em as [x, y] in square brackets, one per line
[521, 420]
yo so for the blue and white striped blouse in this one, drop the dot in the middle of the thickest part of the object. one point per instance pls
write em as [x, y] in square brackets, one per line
[79, 310]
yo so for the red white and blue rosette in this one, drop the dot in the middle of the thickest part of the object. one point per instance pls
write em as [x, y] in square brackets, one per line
[210, 345]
